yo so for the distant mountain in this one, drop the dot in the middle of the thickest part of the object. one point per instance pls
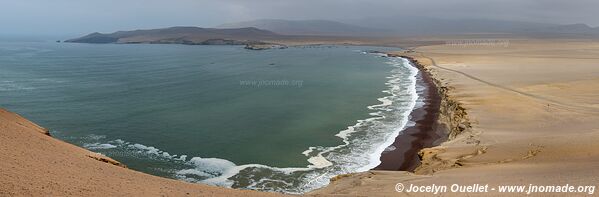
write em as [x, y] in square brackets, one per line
[277, 31]
[410, 25]
[181, 35]
[570, 29]
[308, 27]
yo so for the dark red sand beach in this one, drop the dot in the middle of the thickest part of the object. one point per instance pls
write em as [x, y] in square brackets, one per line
[425, 133]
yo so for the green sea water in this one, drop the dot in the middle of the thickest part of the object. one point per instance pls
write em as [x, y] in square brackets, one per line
[277, 120]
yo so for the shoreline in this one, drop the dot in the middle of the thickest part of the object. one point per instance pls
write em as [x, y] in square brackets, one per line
[514, 116]
[439, 121]
[532, 143]
[40, 165]
[426, 131]
[413, 151]
[452, 120]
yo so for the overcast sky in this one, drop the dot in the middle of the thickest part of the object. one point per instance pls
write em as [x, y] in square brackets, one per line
[73, 17]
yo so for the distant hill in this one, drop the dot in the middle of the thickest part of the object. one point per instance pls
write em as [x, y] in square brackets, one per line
[181, 35]
[265, 32]
[411, 25]
[308, 27]
[570, 29]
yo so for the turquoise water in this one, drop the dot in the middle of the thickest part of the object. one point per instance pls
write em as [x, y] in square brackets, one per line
[276, 120]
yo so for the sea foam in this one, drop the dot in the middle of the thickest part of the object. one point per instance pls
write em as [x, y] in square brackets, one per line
[360, 150]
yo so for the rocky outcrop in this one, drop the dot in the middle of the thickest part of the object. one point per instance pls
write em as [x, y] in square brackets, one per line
[95, 38]
[105, 159]
[222, 42]
[452, 114]
[263, 46]
[453, 117]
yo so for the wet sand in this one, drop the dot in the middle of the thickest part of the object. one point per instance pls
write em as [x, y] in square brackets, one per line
[534, 111]
[425, 133]
[533, 106]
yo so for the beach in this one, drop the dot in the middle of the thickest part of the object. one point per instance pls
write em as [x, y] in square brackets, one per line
[35, 164]
[299, 98]
[511, 114]
[533, 115]
[426, 131]
[332, 113]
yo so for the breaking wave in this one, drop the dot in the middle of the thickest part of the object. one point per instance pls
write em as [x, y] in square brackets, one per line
[363, 144]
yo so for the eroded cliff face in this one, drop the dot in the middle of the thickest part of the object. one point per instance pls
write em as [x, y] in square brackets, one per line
[452, 115]
[453, 119]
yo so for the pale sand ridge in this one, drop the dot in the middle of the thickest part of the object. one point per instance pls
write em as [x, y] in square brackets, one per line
[533, 108]
[35, 164]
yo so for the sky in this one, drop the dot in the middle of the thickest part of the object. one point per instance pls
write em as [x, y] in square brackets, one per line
[76, 17]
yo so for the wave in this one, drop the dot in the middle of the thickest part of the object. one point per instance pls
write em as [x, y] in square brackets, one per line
[8, 85]
[98, 146]
[25, 84]
[371, 137]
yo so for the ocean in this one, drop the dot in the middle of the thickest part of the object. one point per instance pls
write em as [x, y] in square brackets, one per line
[284, 120]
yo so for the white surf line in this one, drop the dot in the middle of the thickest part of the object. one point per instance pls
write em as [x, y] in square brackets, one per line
[319, 161]
[227, 169]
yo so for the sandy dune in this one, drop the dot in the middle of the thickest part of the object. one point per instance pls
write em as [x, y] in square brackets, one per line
[533, 105]
[35, 164]
[534, 108]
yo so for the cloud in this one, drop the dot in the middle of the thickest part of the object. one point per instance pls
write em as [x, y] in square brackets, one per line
[78, 16]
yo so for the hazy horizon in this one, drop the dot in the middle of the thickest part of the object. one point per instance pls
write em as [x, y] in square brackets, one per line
[63, 18]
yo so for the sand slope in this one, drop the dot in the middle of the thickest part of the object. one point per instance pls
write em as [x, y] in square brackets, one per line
[534, 106]
[35, 164]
